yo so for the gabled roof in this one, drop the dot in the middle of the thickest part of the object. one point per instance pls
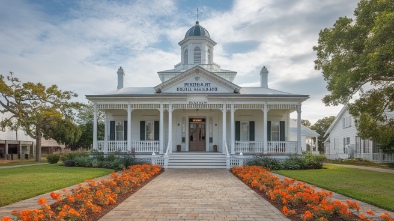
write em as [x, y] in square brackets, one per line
[201, 71]
[337, 118]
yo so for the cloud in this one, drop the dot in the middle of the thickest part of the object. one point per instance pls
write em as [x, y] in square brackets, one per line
[79, 45]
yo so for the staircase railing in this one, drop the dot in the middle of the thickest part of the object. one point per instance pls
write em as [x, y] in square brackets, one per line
[227, 156]
[166, 156]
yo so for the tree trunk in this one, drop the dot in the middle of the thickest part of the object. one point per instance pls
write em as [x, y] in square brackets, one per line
[38, 149]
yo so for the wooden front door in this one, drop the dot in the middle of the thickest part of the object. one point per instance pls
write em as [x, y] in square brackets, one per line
[197, 134]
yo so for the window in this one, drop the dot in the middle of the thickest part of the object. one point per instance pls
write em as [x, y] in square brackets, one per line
[366, 146]
[118, 130]
[244, 130]
[346, 122]
[186, 57]
[209, 56]
[149, 130]
[276, 130]
[346, 144]
[197, 55]
[358, 144]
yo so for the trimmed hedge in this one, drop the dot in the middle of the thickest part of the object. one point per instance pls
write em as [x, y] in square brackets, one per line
[53, 158]
[301, 162]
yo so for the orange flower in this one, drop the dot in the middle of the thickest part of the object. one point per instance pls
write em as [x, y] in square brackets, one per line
[307, 215]
[369, 212]
[6, 218]
[42, 201]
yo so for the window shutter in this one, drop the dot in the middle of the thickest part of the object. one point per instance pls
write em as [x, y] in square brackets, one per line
[282, 131]
[112, 130]
[125, 130]
[237, 130]
[157, 130]
[251, 130]
[269, 130]
[142, 130]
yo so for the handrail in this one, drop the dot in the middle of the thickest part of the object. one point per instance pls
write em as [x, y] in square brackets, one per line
[225, 146]
[168, 148]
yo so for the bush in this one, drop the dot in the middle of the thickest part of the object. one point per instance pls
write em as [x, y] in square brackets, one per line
[53, 158]
[293, 163]
[313, 162]
[267, 162]
[82, 161]
[73, 155]
[69, 163]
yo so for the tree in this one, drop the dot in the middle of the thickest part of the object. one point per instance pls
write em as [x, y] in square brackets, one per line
[40, 111]
[306, 123]
[321, 127]
[85, 123]
[356, 58]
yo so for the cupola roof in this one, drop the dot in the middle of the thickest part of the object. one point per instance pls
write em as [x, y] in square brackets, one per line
[197, 30]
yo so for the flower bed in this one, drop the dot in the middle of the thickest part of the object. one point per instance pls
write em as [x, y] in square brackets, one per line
[87, 200]
[299, 201]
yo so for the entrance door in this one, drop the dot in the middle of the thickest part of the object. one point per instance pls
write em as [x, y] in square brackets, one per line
[197, 134]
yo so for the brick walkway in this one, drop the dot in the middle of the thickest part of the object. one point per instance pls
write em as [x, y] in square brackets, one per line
[195, 194]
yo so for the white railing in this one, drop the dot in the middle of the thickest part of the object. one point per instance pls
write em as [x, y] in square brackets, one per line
[146, 146]
[376, 157]
[273, 147]
[121, 146]
[228, 157]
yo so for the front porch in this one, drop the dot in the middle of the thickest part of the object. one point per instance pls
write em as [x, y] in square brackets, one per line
[244, 147]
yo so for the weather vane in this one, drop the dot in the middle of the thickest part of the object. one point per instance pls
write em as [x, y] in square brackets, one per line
[197, 14]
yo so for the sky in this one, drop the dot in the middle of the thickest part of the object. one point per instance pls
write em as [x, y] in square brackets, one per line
[79, 45]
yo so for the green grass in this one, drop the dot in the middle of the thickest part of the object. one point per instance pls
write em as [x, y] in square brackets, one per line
[372, 187]
[362, 162]
[21, 162]
[21, 183]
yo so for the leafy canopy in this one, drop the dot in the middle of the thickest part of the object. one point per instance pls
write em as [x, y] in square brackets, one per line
[321, 126]
[357, 58]
[38, 110]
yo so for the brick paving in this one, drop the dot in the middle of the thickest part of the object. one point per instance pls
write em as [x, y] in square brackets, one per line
[195, 194]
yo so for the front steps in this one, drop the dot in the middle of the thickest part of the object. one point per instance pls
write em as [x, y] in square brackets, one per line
[196, 160]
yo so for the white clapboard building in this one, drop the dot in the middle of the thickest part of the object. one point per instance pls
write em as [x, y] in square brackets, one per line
[197, 116]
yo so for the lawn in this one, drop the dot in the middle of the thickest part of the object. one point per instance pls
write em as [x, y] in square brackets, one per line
[372, 187]
[19, 162]
[21, 183]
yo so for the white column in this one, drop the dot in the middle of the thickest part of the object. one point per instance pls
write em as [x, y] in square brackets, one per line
[224, 127]
[170, 127]
[232, 130]
[317, 144]
[161, 147]
[299, 149]
[106, 127]
[95, 128]
[129, 127]
[265, 128]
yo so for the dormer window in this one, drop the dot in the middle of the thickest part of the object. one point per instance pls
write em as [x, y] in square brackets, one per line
[197, 55]
[186, 57]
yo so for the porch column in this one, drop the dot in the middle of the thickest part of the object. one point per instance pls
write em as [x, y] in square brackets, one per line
[129, 127]
[5, 150]
[95, 127]
[161, 135]
[224, 127]
[20, 150]
[170, 128]
[232, 130]
[105, 131]
[265, 128]
[299, 148]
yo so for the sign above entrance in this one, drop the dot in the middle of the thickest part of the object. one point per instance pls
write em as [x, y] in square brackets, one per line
[197, 120]
[198, 84]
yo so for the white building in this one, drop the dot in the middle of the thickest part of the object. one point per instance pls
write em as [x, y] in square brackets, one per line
[343, 142]
[309, 138]
[15, 144]
[198, 110]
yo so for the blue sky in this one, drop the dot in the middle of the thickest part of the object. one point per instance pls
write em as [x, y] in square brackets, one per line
[79, 45]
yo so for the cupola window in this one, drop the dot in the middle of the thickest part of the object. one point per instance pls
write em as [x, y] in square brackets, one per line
[186, 57]
[209, 56]
[197, 55]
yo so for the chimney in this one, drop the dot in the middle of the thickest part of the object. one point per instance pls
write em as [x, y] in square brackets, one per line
[264, 77]
[120, 78]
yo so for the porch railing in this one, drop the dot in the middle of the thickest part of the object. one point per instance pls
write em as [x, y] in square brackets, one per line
[273, 147]
[121, 146]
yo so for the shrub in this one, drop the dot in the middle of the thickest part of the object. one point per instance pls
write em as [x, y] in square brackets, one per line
[313, 162]
[293, 163]
[267, 162]
[73, 155]
[82, 161]
[53, 158]
[69, 163]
